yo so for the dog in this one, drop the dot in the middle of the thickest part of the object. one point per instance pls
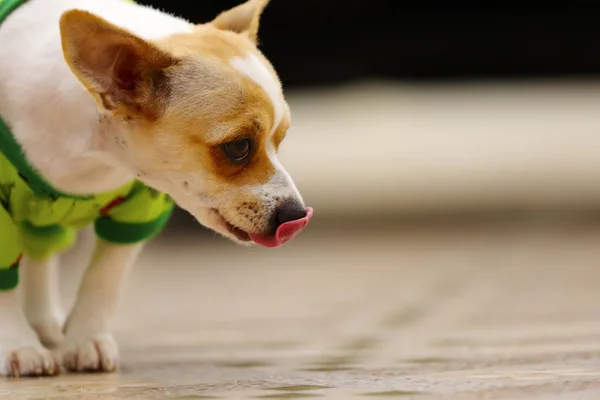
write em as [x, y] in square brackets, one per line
[112, 112]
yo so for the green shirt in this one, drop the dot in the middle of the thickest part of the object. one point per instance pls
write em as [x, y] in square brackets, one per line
[38, 220]
[8, 6]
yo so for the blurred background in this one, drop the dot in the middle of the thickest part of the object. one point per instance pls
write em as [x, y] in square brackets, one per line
[418, 109]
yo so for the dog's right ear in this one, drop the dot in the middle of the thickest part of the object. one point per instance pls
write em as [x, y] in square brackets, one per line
[243, 19]
[125, 73]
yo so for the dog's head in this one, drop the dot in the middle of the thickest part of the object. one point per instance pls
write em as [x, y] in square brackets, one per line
[199, 115]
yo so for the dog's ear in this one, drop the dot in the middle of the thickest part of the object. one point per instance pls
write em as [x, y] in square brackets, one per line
[243, 19]
[125, 73]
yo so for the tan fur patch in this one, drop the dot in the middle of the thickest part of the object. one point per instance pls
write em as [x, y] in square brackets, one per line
[213, 104]
[243, 19]
[125, 74]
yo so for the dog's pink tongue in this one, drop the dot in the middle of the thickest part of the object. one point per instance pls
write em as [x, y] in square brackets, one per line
[285, 232]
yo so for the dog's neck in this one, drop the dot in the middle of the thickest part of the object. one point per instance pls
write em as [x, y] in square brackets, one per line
[73, 159]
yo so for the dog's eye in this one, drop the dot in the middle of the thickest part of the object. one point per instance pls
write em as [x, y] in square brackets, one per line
[238, 151]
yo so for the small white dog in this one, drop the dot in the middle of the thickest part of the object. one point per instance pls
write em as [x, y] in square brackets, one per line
[109, 110]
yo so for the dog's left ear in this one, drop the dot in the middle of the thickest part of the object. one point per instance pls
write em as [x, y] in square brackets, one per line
[243, 19]
[125, 74]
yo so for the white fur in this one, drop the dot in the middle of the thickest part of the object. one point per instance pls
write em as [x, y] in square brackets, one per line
[281, 184]
[41, 300]
[255, 69]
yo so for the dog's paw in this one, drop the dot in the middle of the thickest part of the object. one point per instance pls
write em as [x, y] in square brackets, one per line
[28, 361]
[95, 354]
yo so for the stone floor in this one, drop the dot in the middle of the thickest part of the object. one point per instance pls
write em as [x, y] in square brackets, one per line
[501, 311]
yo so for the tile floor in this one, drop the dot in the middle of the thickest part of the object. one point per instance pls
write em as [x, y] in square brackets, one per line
[508, 311]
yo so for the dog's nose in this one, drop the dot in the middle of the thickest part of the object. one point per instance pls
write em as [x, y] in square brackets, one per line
[290, 212]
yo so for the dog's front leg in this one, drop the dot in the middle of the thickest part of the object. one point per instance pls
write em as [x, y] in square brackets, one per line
[89, 344]
[21, 354]
[41, 300]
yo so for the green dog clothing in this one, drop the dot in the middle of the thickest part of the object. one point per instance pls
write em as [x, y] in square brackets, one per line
[38, 220]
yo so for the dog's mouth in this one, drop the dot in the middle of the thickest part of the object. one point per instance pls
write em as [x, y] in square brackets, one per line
[285, 232]
[238, 233]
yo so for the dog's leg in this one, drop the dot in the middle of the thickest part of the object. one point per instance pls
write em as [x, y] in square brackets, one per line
[41, 300]
[21, 354]
[89, 344]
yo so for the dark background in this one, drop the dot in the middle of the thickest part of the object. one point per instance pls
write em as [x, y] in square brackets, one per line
[327, 42]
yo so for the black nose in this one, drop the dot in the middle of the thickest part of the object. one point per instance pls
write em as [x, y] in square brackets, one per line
[289, 213]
